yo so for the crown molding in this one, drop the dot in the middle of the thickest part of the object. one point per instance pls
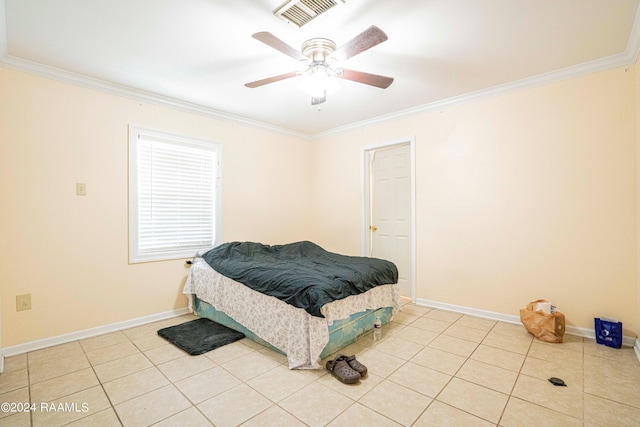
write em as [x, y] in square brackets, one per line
[69, 77]
[628, 57]
[539, 80]
[633, 43]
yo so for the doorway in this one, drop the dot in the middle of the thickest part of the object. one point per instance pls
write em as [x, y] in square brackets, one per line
[388, 208]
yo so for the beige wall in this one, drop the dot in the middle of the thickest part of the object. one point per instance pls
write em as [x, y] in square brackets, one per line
[522, 196]
[70, 252]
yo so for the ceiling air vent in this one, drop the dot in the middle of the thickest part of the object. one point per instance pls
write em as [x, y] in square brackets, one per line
[300, 12]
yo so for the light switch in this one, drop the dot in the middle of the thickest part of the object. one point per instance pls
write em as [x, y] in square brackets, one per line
[23, 302]
[81, 189]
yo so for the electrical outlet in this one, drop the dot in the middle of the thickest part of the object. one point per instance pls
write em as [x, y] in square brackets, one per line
[23, 302]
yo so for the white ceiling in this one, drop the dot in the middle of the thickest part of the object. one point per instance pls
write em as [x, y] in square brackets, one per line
[198, 54]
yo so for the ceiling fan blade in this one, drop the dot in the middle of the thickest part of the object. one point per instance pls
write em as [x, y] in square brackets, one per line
[271, 40]
[366, 40]
[272, 79]
[366, 78]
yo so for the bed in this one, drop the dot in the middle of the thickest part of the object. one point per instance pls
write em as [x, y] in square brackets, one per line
[329, 301]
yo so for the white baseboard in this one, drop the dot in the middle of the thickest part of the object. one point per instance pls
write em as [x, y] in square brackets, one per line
[88, 333]
[100, 330]
[508, 318]
[469, 310]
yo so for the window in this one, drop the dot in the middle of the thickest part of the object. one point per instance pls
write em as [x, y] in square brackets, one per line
[174, 195]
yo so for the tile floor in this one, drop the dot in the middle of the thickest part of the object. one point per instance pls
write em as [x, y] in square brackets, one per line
[431, 368]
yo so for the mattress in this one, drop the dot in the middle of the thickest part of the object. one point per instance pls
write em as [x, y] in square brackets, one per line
[291, 330]
[301, 274]
[341, 333]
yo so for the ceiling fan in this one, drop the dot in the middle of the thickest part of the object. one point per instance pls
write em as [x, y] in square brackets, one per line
[322, 59]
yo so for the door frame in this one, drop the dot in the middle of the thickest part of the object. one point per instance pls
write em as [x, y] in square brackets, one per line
[365, 195]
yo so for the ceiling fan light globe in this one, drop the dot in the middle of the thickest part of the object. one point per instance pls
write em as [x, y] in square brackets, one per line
[318, 82]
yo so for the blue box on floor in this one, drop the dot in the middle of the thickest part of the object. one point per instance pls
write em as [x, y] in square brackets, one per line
[608, 332]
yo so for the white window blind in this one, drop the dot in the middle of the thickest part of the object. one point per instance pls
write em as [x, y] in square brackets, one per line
[174, 197]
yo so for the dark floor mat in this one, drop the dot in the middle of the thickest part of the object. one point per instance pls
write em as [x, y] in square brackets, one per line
[199, 336]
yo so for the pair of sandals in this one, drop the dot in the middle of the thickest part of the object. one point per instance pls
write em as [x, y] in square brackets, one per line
[346, 369]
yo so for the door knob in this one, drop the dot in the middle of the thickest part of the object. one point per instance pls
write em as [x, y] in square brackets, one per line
[373, 228]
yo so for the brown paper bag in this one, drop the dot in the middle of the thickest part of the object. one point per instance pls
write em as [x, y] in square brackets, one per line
[545, 327]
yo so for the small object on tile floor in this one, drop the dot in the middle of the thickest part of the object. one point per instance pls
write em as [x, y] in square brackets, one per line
[377, 329]
[356, 365]
[557, 382]
[342, 371]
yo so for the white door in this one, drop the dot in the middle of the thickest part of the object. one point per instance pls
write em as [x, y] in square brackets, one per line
[390, 229]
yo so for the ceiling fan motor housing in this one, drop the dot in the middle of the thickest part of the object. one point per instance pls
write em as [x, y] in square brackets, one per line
[318, 49]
